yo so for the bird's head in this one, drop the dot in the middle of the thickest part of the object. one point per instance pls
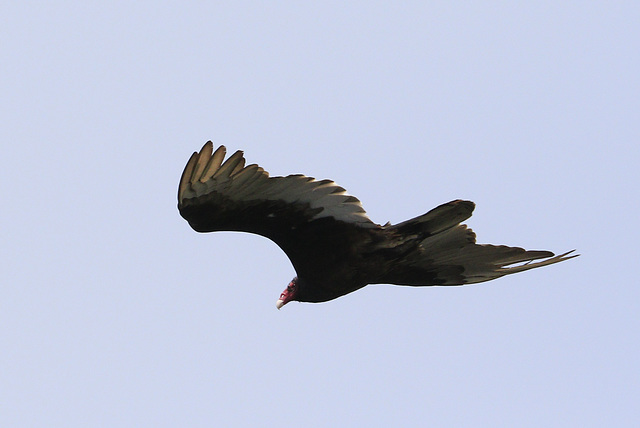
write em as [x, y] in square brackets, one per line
[288, 294]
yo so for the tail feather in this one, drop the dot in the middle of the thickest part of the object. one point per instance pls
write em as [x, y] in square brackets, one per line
[437, 220]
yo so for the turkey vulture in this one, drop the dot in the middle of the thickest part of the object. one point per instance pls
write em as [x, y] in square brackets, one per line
[333, 246]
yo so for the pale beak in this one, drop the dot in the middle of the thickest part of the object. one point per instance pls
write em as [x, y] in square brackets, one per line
[279, 304]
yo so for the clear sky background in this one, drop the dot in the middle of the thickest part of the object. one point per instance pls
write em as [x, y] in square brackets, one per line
[114, 313]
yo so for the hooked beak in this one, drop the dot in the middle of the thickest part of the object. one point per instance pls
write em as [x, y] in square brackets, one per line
[288, 294]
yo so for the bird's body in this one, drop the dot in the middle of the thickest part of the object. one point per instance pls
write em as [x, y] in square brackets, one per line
[334, 247]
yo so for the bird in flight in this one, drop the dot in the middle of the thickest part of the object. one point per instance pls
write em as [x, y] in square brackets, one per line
[334, 247]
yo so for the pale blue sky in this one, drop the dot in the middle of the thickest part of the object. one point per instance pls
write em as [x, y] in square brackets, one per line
[113, 312]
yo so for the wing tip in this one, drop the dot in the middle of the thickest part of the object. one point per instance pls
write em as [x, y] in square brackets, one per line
[198, 166]
[565, 256]
[548, 260]
[187, 172]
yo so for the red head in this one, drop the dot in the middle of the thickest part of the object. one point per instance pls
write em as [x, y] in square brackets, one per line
[288, 294]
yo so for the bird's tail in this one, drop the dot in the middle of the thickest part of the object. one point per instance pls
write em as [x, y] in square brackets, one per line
[447, 254]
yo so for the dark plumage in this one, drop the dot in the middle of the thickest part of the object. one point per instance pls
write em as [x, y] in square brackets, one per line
[333, 246]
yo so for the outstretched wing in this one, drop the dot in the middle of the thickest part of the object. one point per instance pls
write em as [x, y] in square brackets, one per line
[456, 258]
[302, 215]
[447, 252]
